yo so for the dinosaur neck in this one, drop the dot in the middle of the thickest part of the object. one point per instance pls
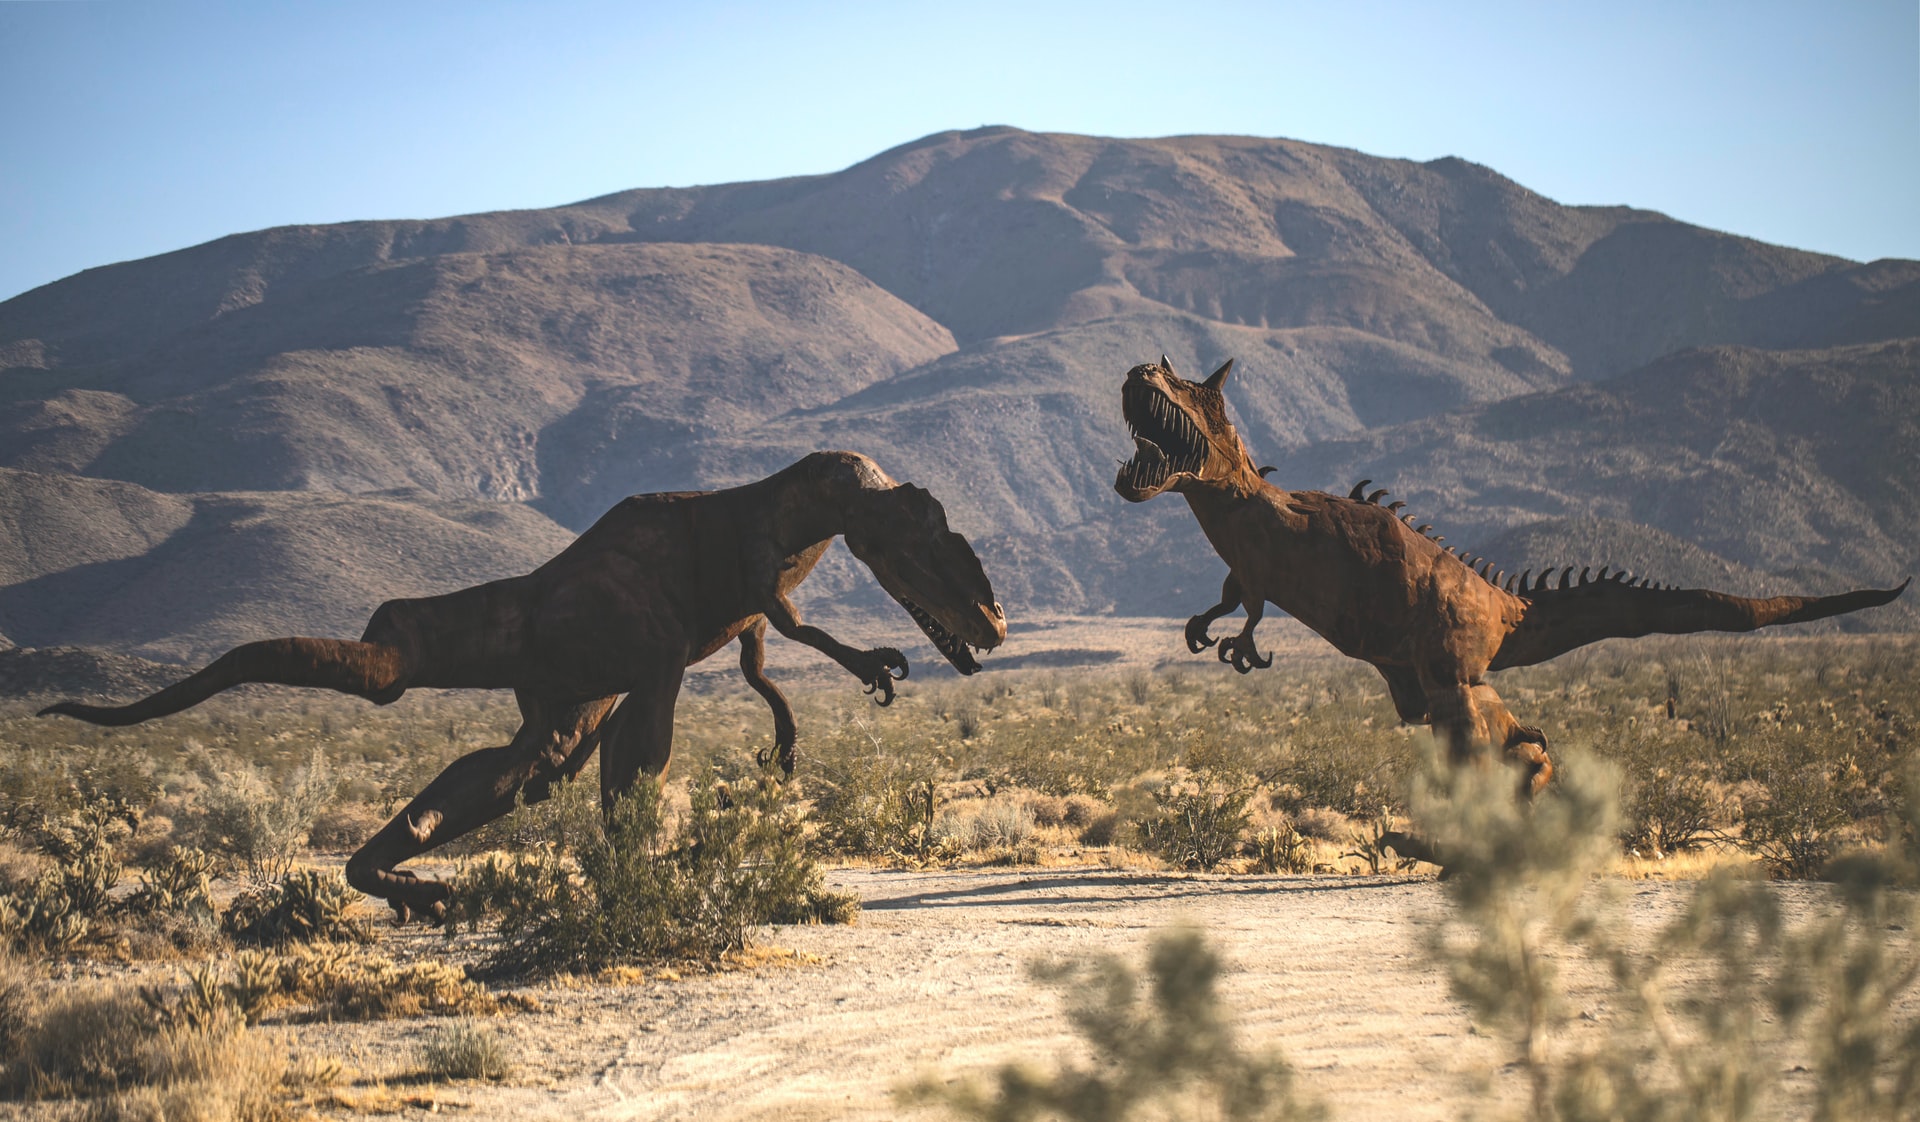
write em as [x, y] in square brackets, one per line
[814, 498]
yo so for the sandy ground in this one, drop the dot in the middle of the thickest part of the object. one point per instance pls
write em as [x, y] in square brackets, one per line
[933, 979]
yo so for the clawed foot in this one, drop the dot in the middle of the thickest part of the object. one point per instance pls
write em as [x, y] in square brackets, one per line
[1197, 638]
[876, 669]
[782, 752]
[1418, 849]
[1239, 652]
[416, 898]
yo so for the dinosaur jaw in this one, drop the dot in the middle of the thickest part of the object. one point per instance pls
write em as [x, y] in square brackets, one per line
[1168, 445]
[954, 649]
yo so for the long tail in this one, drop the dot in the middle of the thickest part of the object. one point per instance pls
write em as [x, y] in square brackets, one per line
[1572, 614]
[374, 671]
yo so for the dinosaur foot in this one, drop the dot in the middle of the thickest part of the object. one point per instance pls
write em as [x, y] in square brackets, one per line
[1239, 652]
[1197, 638]
[412, 897]
[1417, 848]
[783, 753]
[875, 668]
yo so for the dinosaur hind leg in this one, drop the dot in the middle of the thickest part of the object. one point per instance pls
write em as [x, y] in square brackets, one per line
[554, 742]
[1523, 746]
[753, 667]
[639, 738]
[1472, 717]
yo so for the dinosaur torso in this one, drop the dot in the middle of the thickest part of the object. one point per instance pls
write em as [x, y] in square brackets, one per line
[1350, 571]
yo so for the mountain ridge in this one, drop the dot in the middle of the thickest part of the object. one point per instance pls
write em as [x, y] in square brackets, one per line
[962, 307]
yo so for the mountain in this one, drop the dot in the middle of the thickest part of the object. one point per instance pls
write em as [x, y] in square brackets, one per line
[961, 308]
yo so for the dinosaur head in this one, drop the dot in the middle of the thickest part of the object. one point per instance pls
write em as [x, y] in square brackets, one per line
[1181, 434]
[901, 534]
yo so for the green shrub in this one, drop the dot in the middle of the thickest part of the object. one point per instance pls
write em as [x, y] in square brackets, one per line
[640, 890]
[246, 814]
[1525, 905]
[1171, 1055]
[1282, 849]
[303, 906]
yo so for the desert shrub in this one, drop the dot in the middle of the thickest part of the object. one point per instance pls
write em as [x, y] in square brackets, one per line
[262, 823]
[1169, 1054]
[19, 1003]
[1101, 828]
[129, 1059]
[343, 827]
[465, 1049]
[1374, 844]
[1281, 849]
[302, 906]
[999, 823]
[321, 981]
[639, 889]
[74, 884]
[1524, 906]
[181, 884]
[1321, 823]
[869, 800]
[1047, 811]
[1202, 818]
[1796, 811]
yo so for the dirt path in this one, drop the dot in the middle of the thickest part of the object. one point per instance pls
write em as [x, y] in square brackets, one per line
[933, 979]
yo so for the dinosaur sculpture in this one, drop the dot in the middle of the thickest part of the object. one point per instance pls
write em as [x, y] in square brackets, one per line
[1382, 590]
[658, 583]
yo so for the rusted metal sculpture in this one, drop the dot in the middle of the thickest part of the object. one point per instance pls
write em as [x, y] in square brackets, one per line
[657, 584]
[1382, 590]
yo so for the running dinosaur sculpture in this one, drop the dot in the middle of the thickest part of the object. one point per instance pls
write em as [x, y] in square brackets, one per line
[1382, 590]
[657, 584]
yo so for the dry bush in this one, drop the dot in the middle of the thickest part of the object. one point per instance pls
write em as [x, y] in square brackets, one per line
[1281, 849]
[302, 906]
[465, 1049]
[344, 826]
[1169, 1054]
[113, 1049]
[1526, 907]
[1322, 824]
[263, 823]
[641, 887]
[870, 799]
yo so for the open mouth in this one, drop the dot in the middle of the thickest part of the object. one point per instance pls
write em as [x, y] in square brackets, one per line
[956, 650]
[1165, 441]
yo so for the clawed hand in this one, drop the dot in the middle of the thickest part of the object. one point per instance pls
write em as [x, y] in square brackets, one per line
[876, 668]
[1197, 638]
[1239, 652]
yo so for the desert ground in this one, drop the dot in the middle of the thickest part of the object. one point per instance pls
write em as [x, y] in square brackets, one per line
[933, 982]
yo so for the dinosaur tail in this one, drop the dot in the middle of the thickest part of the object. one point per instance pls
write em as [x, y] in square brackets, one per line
[371, 670]
[1572, 615]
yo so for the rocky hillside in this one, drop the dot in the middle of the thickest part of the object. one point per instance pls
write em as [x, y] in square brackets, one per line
[236, 438]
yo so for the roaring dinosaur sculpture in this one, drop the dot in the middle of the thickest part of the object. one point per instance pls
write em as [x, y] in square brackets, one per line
[657, 584]
[1384, 591]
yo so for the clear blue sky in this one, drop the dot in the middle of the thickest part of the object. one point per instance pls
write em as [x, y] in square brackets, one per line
[134, 128]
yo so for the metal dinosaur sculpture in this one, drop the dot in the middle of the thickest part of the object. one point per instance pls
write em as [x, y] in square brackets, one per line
[1382, 590]
[658, 583]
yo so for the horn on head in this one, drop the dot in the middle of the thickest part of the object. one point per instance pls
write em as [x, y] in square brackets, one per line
[1218, 378]
[1166, 364]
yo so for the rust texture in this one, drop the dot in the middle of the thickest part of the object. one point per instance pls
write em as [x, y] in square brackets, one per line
[659, 582]
[1383, 590]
